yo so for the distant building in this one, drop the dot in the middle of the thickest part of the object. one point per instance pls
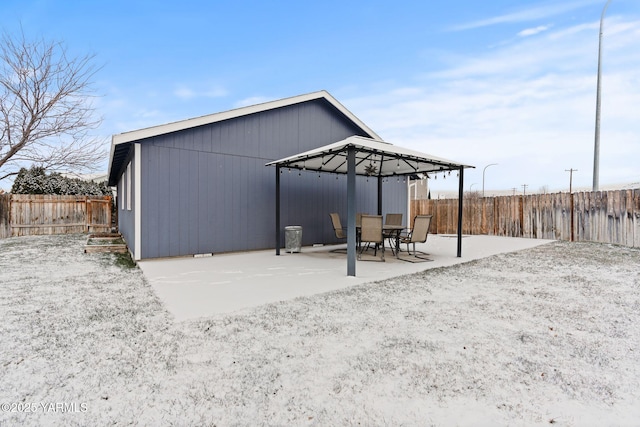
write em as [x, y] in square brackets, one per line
[419, 187]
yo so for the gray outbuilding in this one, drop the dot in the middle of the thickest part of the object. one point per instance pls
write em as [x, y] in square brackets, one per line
[200, 186]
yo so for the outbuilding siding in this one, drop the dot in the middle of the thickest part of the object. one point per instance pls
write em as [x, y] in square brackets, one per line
[206, 189]
[126, 217]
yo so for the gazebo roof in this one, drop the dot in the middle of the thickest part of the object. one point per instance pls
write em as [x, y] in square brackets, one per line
[359, 155]
[373, 158]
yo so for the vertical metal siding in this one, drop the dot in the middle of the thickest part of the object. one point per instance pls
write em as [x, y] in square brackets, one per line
[161, 206]
[173, 200]
[206, 189]
[206, 186]
[126, 218]
[151, 199]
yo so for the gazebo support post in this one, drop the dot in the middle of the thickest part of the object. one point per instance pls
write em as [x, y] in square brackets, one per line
[380, 195]
[460, 197]
[277, 209]
[351, 211]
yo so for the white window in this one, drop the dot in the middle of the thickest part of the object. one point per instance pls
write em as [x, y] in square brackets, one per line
[121, 195]
[129, 186]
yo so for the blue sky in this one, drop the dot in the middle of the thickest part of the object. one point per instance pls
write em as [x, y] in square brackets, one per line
[507, 82]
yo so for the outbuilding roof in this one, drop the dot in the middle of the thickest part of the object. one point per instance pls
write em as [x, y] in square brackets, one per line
[120, 143]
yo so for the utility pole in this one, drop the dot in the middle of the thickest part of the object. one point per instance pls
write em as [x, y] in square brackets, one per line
[524, 189]
[596, 148]
[571, 171]
[514, 190]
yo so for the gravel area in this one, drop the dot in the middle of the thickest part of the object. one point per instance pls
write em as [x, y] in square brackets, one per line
[549, 335]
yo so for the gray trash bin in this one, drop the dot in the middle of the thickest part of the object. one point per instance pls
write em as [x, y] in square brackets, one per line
[293, 238]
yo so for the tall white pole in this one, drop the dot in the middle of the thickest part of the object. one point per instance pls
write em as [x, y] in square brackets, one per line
[596, 149]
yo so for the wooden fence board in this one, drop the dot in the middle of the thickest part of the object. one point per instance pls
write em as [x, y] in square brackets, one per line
[635, 220]
[53, 214]
[610, 217]
[5, 215]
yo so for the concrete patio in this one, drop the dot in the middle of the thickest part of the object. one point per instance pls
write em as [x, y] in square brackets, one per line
[200, 287]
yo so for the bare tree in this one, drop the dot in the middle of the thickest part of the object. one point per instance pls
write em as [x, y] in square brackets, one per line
[46, 108]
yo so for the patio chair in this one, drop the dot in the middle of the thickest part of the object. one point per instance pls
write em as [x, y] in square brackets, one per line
[339, 230]
[392, 219]
[358, 227]
[371, 232]
[337, 226]
[418, 234]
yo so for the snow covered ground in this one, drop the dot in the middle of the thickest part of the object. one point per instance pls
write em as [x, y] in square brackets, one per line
[194, 287]
[548, 335]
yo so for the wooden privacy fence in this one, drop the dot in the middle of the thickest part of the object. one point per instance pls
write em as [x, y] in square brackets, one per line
[5, 215]
[24, 215]
[601, 216]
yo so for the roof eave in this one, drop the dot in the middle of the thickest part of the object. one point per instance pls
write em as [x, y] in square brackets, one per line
[238, 112]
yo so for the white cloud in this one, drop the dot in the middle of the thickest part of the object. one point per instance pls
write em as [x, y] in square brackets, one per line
[534, 13]
[187, 93]
[533, 31]
[254, 100]
[529, 106]
[184, 92]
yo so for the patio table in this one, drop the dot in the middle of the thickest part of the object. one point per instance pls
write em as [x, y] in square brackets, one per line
[394, 230]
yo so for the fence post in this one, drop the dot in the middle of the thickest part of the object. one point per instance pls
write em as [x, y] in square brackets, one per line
[571, 209]
[5, 215]
[87, 215]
